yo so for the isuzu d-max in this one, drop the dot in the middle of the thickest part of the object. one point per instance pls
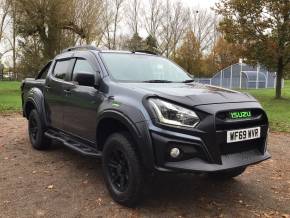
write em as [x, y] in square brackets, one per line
[142, 113]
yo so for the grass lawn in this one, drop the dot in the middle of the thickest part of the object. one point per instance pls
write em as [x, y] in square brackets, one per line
[10, 100]
[277, 110]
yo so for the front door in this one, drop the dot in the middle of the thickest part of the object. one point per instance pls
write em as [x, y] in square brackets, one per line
[81, 103]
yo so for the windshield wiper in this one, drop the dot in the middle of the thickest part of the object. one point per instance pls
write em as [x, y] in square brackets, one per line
[188, 81]
[157, 81]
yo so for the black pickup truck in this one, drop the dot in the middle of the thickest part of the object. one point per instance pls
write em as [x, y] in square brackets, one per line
[141, 114]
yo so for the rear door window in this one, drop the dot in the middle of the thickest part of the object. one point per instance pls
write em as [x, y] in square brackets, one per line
[63, 69]
[43, 73]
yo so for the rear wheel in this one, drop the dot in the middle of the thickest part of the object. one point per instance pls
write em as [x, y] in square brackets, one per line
[36, 131]
[228, 174]
[122, 170]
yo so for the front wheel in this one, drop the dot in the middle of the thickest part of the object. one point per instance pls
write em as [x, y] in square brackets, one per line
[36, 131]
[122, 170]
[228, 174]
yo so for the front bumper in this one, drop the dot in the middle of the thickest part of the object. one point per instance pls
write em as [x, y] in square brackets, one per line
[229, 161]
[205, 148]
[199, 158]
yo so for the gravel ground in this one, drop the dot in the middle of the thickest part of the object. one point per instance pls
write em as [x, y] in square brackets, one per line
[61, 183]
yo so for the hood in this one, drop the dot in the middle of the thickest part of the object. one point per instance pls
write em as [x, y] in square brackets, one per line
[191, 94]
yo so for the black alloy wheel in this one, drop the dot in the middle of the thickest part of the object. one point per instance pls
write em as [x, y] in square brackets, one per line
[122, 169]
[118, 169]
[36, 131]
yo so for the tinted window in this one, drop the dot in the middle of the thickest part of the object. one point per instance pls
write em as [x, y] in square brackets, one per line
[82, 66]
[62, 69]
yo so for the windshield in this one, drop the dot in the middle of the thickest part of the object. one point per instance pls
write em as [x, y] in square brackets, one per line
[143, 68]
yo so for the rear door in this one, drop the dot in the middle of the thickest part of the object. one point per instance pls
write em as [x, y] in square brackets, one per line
[54, 91]
[81, 102]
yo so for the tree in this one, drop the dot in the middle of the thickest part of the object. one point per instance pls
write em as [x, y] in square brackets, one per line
[262, 28]
[135, 43]
[153, 17]
[224, 53]
[86, 20]
[189, 55]
[48, 21]
[111, 19]
[45, 28]
[151, 44]
[204, 25]
[174, 23]
[5, 6]
[30, 58]
[133, 15]
[5, 10]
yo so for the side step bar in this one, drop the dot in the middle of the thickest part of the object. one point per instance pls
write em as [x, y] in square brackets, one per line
[73, 144]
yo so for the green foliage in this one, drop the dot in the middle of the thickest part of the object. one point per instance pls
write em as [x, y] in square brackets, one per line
[136, 43]
[151, 44]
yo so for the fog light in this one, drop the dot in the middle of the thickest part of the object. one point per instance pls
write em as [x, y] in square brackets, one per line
[174, 152]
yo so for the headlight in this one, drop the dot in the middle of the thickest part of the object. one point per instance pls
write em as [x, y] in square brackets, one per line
[172, 114]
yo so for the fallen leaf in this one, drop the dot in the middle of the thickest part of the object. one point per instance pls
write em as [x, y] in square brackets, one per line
[50, 187]
[99, 201]
[40, 213]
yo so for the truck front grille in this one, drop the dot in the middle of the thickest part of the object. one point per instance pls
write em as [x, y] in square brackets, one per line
[223, 122]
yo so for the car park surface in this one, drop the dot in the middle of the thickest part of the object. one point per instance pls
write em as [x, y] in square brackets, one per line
[62, 183]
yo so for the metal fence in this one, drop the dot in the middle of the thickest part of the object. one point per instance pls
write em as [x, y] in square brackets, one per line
[242, 76]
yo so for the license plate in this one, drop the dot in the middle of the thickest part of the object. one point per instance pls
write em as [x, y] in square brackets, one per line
[243, 134]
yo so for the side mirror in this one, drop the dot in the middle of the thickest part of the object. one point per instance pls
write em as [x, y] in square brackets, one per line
[85, 79]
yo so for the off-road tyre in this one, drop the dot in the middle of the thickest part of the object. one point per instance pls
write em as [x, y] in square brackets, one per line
[36, 131]
[123, 171]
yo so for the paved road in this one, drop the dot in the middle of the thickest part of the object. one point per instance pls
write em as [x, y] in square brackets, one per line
[61, 183]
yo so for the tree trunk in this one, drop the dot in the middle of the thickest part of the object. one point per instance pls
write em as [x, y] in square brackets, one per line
[280, 69]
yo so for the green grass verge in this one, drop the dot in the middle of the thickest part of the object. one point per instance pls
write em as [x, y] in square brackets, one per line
[278, 110]
[10, 100]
